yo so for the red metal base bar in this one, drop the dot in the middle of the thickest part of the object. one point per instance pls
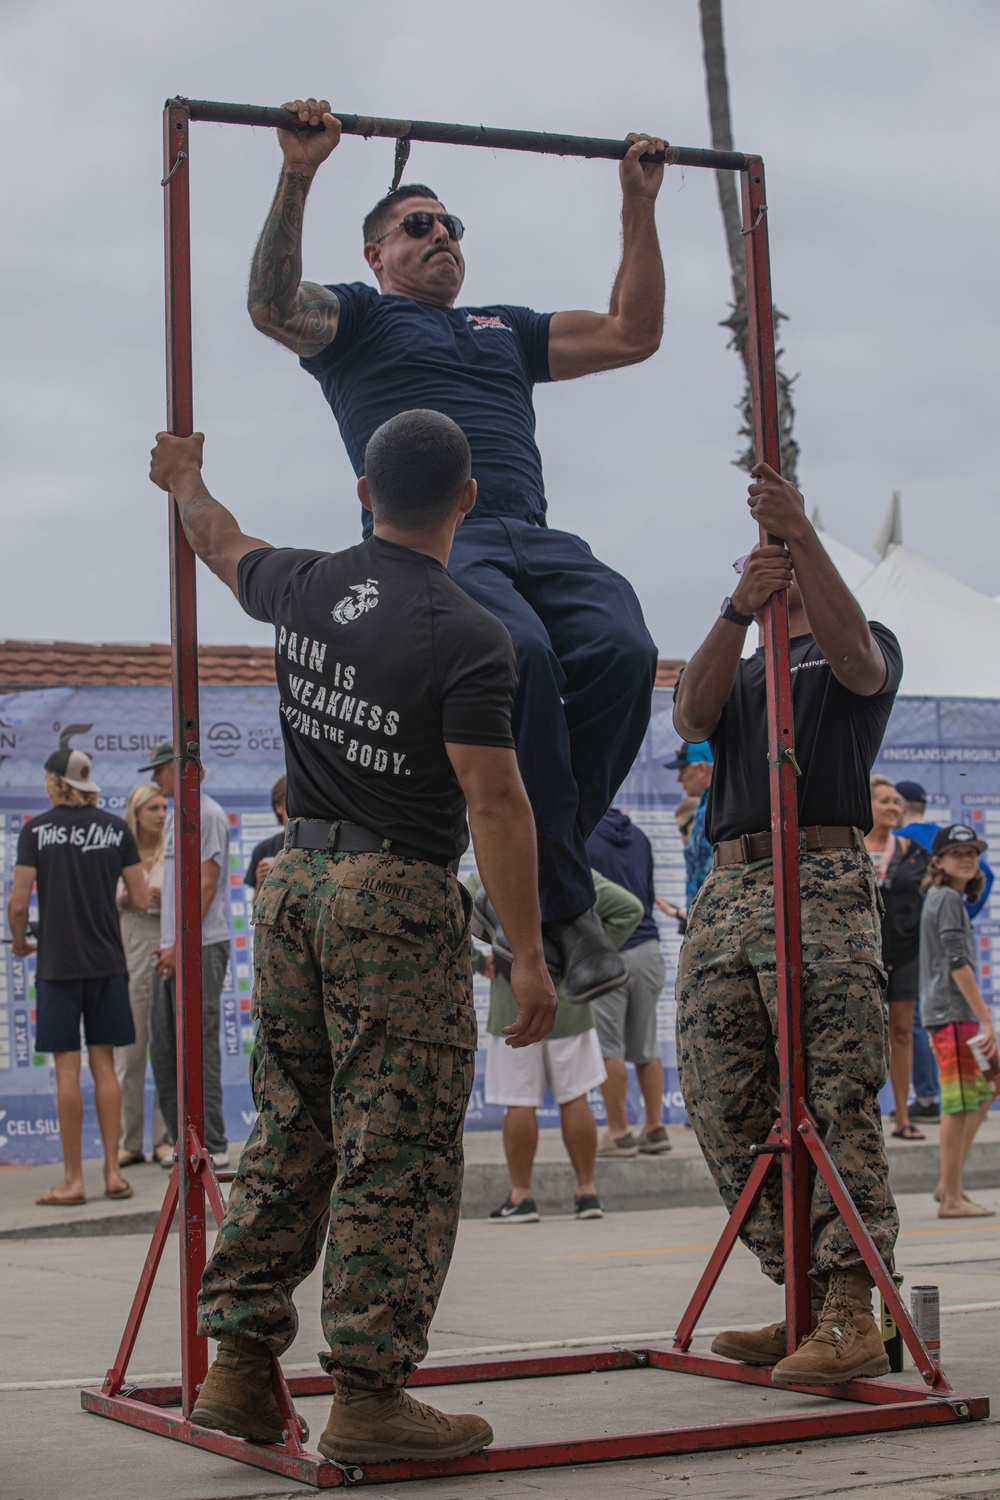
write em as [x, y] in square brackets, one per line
[887, 1408]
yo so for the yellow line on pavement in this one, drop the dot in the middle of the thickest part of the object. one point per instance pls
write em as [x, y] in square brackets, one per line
[955, 1229]
[680, 1249]
[608, 1254]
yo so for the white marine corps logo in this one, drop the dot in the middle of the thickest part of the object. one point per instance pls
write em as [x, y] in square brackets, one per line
[363, 597]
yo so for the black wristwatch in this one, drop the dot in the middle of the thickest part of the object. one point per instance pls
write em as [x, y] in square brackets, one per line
[727, 612]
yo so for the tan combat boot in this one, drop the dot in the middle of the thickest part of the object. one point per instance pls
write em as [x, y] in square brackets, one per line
[375, 1426]
[236, 1395]
[762, 1346]
[846, 1343]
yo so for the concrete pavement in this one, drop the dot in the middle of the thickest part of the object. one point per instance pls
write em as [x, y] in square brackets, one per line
[623, 1279]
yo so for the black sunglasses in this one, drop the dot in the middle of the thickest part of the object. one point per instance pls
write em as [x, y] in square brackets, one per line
[420, 224]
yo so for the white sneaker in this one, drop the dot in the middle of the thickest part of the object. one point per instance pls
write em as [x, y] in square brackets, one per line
[220, 1159]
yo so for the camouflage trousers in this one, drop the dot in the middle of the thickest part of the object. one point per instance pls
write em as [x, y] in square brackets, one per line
[727, 1040]
[361, 1070]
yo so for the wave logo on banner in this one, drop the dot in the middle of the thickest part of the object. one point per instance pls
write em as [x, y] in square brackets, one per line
[224, 739]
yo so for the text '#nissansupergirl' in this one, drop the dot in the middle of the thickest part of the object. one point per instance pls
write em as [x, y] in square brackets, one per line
[330, 709]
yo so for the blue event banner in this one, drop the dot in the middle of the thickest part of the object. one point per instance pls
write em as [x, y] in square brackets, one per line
[951, 746]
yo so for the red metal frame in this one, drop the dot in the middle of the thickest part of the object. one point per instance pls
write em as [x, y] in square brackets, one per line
[872, 1405]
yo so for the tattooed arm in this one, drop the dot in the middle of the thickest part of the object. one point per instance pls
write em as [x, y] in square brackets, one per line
[299, 314]
[212, 530]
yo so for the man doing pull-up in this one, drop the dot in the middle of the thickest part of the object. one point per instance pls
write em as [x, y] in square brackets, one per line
[585, 658]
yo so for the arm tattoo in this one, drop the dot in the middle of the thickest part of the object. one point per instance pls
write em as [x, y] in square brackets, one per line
[300, 315]
[200, 514]
[197, 509]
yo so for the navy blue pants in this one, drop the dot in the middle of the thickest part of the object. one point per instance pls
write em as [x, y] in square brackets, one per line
[587, 665]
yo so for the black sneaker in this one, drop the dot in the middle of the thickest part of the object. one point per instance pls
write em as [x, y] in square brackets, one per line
[524, 1212]
[929, 1111]
[588, 1206]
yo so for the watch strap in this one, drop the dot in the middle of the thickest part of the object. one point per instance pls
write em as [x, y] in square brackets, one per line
[728, 612]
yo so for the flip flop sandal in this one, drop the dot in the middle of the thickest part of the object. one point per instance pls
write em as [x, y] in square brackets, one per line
[908, 1133]
[52, 1200]
[124, 1191]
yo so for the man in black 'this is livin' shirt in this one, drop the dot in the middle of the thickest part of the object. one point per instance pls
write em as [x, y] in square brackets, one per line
[76, 853]
[844, 675]
[396, 694]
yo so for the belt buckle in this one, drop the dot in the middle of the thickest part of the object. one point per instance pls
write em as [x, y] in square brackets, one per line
[745, 848]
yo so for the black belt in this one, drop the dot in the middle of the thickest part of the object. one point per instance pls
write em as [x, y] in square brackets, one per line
[351, 838]
[751, 846]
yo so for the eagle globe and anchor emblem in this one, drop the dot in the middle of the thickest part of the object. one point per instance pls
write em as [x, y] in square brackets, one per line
[362, 598]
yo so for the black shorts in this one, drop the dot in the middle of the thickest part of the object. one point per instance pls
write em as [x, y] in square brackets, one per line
[903, 979]
[102, 1004]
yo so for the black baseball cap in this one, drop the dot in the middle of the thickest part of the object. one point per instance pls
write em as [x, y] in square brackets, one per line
[956, 836]
[911, 791]
[163, 754]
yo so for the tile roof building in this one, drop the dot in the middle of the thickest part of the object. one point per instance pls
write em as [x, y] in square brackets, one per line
[34, 664]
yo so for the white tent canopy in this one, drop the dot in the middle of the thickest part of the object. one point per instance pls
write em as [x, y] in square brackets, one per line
[950, 634]
[851, 566]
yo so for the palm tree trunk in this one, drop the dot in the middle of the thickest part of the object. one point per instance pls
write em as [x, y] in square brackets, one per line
[713, 46]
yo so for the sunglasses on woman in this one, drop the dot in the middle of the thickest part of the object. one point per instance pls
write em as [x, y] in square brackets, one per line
[418, 225]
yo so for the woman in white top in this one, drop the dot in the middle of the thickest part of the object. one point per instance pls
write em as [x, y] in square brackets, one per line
[146, 815]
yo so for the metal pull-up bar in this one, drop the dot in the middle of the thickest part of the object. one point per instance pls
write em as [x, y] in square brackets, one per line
[462, 135]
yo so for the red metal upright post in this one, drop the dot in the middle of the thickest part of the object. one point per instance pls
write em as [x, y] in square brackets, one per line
[187, 761]
[783, 771]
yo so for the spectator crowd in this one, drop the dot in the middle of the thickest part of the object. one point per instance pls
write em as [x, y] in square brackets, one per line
[107, 961]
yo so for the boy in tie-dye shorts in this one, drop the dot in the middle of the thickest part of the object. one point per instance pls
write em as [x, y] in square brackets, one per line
[953, 1009]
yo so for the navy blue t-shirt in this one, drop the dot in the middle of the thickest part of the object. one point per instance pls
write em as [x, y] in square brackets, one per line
[477, 365]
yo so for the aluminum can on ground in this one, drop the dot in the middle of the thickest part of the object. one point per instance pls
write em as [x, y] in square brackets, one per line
[925, 1309]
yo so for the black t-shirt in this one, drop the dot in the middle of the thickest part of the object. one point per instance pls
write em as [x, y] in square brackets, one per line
[381, 659]
[78, 853]
[266, 849]
[837, 736]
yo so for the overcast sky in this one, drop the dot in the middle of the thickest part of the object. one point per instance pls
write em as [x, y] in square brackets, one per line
[877, 121]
